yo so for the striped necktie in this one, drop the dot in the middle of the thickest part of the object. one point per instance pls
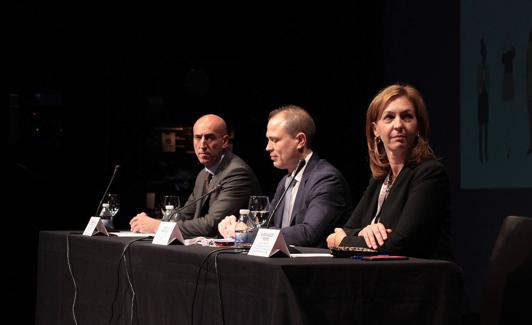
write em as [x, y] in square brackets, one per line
[208, 177]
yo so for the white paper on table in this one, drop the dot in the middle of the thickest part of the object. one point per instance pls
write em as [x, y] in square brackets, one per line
[268, 242]
[167, 232]
[311, 255]
[127, 233]
[94, 226]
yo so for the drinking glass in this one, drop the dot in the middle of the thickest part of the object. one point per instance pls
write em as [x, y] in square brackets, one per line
[114, 203]
[259, 210]
[169, 203]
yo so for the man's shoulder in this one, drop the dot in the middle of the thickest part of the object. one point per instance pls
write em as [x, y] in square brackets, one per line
[324, 166]
[234, 163]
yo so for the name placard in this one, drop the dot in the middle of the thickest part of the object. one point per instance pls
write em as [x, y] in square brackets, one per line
[167, 233]
[95, 226]
[268, 242]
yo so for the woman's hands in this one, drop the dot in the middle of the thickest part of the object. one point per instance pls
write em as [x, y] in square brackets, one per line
[375, 234]
[334, 240]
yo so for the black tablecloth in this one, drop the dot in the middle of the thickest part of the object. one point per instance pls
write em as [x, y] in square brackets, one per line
[156, 284]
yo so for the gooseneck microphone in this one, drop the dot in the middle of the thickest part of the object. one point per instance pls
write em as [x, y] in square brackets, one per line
[117, 168]
[300, 165]
[176, 211]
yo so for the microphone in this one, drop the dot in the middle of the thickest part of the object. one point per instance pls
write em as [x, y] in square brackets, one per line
[117, 168]
[176, 211]
[300, 165]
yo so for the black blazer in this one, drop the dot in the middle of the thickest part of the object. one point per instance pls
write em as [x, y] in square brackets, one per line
[417, 211]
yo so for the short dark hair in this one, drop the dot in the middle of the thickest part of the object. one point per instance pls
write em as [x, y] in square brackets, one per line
[297, 120]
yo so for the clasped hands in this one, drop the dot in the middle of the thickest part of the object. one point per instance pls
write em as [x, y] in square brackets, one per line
[144, 224]
[226, 227]
[374, 234]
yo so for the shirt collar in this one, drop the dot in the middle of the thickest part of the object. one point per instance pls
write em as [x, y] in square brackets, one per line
[300, 174]
[214, 168]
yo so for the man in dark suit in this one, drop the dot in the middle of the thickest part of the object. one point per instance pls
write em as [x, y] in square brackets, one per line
[319, 199]
[226, 179]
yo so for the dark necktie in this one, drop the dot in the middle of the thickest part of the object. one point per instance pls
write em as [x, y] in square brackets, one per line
[205, 201]
[208, 177]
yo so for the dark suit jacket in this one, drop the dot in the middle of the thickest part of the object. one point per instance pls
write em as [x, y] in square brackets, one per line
[417, 211]
[238, 182]
[323, 201]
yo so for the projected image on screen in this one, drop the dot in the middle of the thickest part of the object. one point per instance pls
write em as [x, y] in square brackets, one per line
[496, 94]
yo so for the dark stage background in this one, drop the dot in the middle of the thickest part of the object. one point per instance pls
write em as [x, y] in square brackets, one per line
[92, 85]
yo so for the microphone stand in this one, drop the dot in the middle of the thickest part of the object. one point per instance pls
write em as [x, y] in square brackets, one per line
[117, 168]
[300, 165]
[176, 211]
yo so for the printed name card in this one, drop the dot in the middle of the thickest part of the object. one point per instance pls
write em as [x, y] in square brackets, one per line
[167, 233]
[268, 242]
[94, 227]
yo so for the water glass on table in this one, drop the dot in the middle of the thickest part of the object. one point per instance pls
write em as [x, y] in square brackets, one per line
[259, 210]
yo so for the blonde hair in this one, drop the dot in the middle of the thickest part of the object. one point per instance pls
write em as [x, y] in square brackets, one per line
[378, 161]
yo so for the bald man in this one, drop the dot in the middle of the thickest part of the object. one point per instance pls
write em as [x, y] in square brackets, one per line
[230, 183]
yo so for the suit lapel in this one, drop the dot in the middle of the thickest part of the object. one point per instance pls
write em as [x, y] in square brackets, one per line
[198, 192]
[301, 191]
[203, 190]
[395, 194]
[215, 180]
[372, 208]
[278, 217]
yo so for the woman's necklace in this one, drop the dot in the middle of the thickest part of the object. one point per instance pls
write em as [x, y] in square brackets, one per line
[388, 182]
[383, 195]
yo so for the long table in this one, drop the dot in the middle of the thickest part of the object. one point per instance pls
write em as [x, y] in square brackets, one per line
[118, 281]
